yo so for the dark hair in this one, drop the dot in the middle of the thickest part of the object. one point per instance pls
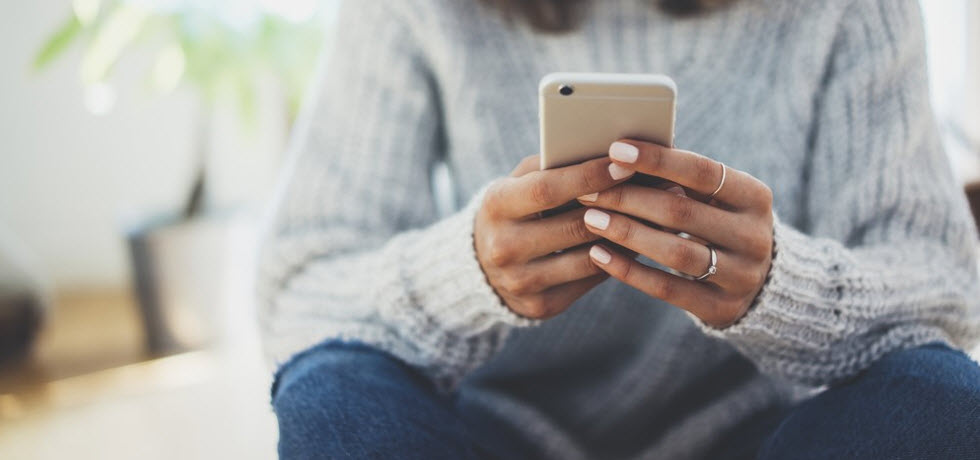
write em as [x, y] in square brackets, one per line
[562, 15]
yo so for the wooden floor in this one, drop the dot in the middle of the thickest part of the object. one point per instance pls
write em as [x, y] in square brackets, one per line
[91, 391]
[84, 332]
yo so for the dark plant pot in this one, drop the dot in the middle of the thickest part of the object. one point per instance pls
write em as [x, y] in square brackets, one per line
[24, 299]
[178, 269]
[20, 320]
[973, 195]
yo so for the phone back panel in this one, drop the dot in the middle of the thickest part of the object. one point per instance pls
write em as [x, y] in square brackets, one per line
[600, 109]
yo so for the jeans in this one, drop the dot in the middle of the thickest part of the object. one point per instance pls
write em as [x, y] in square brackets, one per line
[348, 400]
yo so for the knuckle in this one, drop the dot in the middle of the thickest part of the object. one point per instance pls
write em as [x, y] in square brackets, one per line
[756, 279]
[769, 220]
[575, 230]
[587, 267]
[683, 255]
[622, 231]
[534, 307]
[614, 197]
[628, 273]
[743, 280]
[663, 288]
[542, 193]
[680, 210]
[493, 199]
[501, 252]
[505, 281]
[706, 171]
[765, 197]
[593, 179]
[760, 199]
[758, 245]
[764, 246]
[655, 157]
[519, 284]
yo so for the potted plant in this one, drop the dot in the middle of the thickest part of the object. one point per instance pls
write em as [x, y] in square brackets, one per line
[221, 50]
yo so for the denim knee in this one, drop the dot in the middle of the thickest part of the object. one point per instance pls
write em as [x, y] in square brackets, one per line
[932, 365]
[931, 376]
[336, 363]
[922, 402]
[349, 400]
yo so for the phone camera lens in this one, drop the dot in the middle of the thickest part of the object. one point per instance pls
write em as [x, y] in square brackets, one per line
[566, 90]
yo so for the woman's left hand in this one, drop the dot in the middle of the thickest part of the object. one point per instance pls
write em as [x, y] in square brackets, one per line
[736, 222]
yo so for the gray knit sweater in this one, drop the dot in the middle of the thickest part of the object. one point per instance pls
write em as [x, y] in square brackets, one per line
[826, 102]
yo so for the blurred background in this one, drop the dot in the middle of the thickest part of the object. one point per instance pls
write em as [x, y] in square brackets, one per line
[139, 144]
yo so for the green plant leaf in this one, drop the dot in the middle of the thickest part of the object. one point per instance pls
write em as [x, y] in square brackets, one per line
[223, 63]
[58, 42]
[121, 28]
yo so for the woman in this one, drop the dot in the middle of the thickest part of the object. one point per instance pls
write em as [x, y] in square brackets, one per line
[845, 259]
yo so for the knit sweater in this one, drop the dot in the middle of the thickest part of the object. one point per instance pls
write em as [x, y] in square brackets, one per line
[826, 102]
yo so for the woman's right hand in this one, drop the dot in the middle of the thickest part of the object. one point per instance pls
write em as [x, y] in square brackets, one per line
[519, 252]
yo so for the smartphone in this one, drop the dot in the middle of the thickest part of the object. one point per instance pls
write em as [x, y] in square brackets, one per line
[581, 114]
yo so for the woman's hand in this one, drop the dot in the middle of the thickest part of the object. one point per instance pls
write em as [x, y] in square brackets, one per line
[737, 222]
[519, 252]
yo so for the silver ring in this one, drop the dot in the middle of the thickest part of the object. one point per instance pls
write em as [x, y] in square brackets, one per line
[724, 175]
[713, 268]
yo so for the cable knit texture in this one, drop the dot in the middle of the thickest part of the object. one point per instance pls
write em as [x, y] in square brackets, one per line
[826, 102]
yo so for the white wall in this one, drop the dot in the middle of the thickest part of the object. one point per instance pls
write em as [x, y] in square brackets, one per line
[71, 182]
[973, 69]
[951, 35]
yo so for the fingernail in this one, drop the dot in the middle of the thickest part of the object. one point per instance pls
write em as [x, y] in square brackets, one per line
[618, 172]
[621, 151]
[600, 255]
[597, 219]
[590, 197]
[676, 190]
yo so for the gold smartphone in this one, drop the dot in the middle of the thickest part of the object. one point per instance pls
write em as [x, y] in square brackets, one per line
[581, 114]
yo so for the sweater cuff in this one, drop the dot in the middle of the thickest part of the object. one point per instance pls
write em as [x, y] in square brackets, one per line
[812, 302]
[797, 307]
[444, 279]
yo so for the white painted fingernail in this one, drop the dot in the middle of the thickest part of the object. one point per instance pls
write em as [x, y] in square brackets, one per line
[676, 190]
[621, 151]
[590, 197]
[618, 172]
[600, 255]
[597, 219]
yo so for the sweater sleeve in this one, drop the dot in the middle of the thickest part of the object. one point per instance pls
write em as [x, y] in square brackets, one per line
[355, 251]
[885, 257]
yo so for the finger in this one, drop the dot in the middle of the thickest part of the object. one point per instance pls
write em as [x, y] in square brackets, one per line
[541, 237]
[698, 298]
[671, 187]
[556, 300]
[542, 190]
[676, 189]
[547, 272]
[691, 170]
[667, 249]
[676, 212]
[527, 164]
